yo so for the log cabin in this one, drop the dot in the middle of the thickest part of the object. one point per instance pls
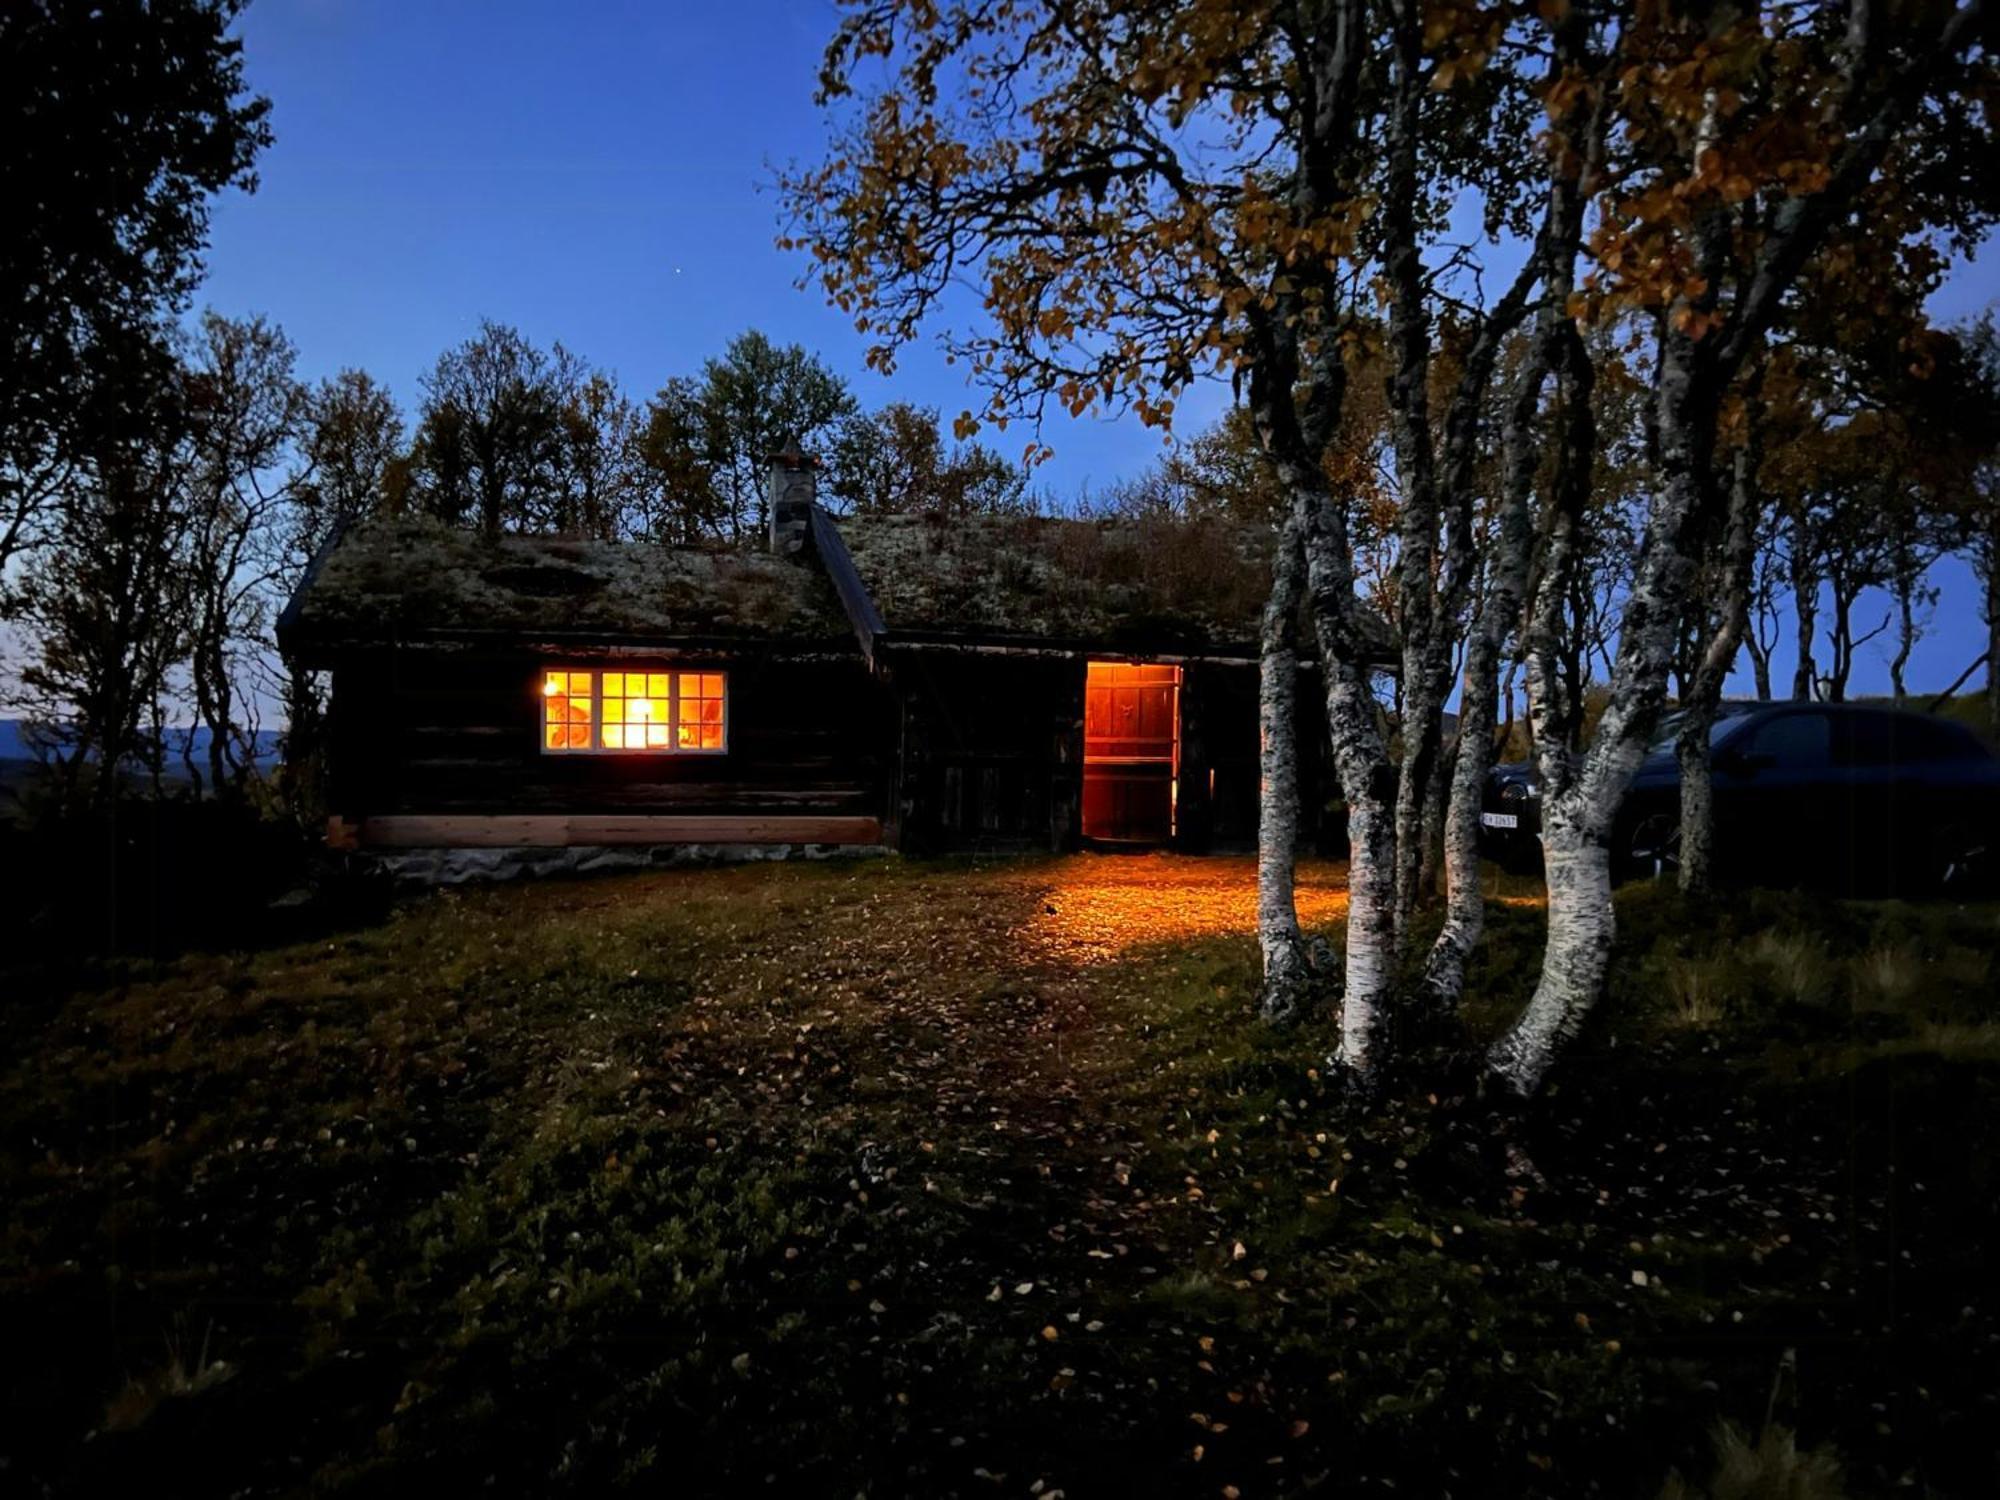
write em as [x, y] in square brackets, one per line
[916, 682]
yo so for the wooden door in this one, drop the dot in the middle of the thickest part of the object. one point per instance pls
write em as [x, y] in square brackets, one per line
[1131, 745]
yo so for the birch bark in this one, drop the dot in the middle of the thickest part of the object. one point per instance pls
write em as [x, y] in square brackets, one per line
[1366, 777]
[1478, 705]
[1287, 968]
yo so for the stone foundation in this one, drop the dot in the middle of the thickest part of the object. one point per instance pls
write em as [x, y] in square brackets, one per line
[432, 867]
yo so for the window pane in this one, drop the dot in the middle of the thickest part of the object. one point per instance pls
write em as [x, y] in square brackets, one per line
[633, 711]
[565, 714]
[1800, 741]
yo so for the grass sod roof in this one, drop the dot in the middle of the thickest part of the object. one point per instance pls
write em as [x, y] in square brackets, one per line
[409, 580]
[1143, 586]
[1139, 584]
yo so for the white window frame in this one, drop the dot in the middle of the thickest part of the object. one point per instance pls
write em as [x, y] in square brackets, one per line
[672, 747]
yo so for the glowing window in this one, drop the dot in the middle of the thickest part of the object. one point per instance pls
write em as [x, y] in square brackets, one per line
[666, 713]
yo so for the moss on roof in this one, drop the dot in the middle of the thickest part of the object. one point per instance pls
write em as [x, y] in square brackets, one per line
[1139, 585]
[1150, 584]
[409, 579]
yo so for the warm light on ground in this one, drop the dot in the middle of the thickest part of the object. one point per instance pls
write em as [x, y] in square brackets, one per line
[1099, 906]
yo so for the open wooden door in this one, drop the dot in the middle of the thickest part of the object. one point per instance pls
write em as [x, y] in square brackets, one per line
[1131, 752]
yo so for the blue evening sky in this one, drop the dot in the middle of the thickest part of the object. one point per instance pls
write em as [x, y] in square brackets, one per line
[598, 173]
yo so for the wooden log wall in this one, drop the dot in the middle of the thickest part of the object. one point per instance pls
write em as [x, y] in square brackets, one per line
[449, 732]
[991, 753]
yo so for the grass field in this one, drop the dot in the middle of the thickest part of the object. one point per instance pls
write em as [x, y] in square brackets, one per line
[941, 1179]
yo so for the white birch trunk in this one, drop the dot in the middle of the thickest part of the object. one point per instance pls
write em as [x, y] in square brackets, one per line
[1465, 902]
[1362, 765]
[1579, 806]
[1421, 720]
[1478, 704]
[1287, 970]
[1579, 801]
[1506, 576]
[1371, 934]
[1582, 926]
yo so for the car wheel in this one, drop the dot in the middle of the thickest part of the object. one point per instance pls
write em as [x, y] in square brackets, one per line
[1652, 846]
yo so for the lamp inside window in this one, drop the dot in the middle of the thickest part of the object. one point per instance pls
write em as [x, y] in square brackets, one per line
[659, 713]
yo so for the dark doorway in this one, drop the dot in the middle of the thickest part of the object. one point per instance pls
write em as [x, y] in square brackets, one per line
[1131, 752]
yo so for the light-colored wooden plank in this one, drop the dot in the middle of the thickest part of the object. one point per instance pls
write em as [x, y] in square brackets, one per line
[556, 830]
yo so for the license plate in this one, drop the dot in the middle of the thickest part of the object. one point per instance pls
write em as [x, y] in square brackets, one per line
[1500, 820]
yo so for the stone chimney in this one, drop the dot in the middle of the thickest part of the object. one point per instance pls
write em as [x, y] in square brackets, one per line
[789, 498]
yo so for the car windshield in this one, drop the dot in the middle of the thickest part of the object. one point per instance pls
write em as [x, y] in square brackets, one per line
[1670, 728]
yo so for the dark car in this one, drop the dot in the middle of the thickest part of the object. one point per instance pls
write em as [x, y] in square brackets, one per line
[1842, 796]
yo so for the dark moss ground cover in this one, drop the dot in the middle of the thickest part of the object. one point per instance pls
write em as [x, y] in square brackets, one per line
[940, 1179]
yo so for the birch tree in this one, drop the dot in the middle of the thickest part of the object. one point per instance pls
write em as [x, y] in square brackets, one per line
[1574, 100]
[1287, 961]
[1140, 196]
[1431, 49]
[1793, 113]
